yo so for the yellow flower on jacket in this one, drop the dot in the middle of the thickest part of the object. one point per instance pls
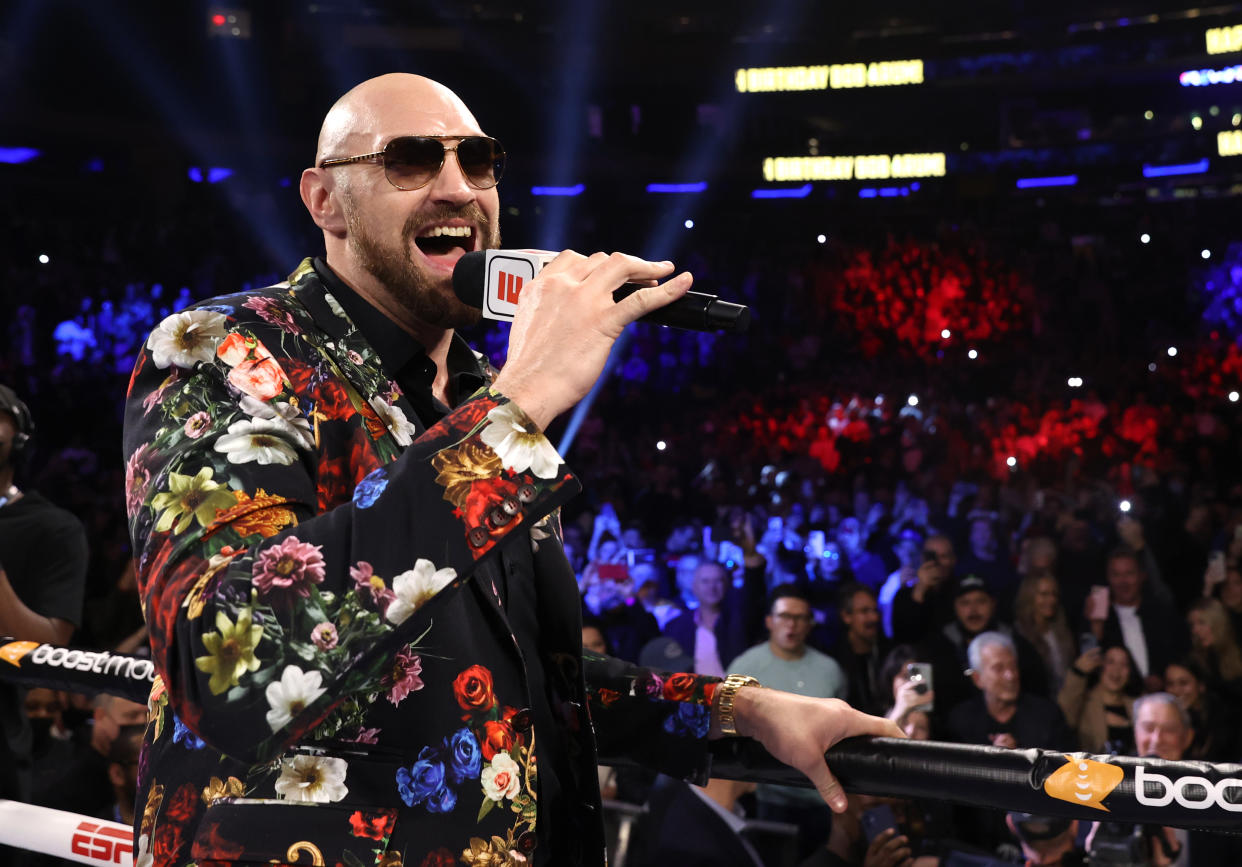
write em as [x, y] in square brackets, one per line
[230, 651]
[218, 788]
[460, 467]
[190, 498]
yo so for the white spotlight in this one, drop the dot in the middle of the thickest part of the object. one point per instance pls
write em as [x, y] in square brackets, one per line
[1011, 461]
[1145, 238]
[1233, 397]
[972, 355]
[689, 224]
[944, 333]
[1124, 505]
[1205, 253]
[661, 446]
[912, 400]
[1172, 350]
[44, 258]
[821, 238]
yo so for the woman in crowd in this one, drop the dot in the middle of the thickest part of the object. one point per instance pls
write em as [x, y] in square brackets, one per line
[1097, 699]
[1214, 644]
[906, 694]
[1214, 723]
[1040, 618]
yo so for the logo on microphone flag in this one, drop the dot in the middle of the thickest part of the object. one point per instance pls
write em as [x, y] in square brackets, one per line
[1084, 781]
[508, 272]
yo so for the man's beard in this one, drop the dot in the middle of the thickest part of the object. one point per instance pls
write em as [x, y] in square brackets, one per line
[427, 299]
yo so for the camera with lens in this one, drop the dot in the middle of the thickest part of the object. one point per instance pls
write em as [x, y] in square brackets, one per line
[1121, 844]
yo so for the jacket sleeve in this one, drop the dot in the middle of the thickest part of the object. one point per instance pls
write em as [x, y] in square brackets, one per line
[270, 618]
[658, 719]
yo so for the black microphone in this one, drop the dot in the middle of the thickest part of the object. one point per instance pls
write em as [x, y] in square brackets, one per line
[694, 311]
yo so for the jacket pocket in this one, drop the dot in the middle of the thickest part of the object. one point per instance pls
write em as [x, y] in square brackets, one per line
[253, 831]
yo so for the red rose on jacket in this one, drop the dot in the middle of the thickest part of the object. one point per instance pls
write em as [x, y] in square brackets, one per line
[679, 687]
[497, 738]
[473, 689]
[373, 826]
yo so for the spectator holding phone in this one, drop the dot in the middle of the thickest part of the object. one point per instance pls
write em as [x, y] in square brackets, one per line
[907, 677]
[922, 607]
[1098, 699]
[1136, 618]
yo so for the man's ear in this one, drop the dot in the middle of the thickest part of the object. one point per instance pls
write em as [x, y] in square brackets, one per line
[322, 198]
[975, 678]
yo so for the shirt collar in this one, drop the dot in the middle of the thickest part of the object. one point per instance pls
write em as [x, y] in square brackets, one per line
[397, 348]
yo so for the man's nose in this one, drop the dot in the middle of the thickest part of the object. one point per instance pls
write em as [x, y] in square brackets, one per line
[450, 184]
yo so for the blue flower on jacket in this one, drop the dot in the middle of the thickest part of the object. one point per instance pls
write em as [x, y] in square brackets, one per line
[694, 720]
[424, 781]
[370, 488]
[465, 759]
[182, 734]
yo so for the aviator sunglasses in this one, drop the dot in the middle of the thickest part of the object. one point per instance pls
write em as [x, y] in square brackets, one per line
[413, 161]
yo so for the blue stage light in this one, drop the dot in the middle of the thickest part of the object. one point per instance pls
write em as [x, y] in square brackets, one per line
[575, 190]
[782, 192]
[1052, 181]
[14, 156]
[1197, 168]
[699, 187]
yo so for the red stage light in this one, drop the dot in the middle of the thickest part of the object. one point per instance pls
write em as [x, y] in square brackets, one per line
[218, 20]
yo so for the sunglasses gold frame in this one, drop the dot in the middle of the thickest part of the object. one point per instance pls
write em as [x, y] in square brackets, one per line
[497, 150]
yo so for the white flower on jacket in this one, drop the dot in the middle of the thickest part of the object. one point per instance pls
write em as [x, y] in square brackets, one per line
[186, 338]
[262, 440]
[519, 443]
[290, 695]
[394, 419]
[298, 424]
[502, 778]
[414, 587]
[319, 779]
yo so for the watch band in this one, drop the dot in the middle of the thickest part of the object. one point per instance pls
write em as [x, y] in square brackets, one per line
[726, 692]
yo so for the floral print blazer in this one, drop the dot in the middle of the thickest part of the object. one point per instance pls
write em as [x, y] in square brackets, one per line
[334, 687]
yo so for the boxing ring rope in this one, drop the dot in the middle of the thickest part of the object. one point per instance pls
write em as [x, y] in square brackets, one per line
[1124, 789]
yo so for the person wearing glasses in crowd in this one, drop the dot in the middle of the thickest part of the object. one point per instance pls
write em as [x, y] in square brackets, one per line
[366, 631]
[787, 662]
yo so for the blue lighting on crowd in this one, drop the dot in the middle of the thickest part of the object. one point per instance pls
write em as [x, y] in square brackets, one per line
[1222, 292]
[1205, 77]
[700, 187]
[94, 164]
[1051, 181]
[782, 192]
[13, 156]
[1180, 169]
[868, 193]
[575, 190]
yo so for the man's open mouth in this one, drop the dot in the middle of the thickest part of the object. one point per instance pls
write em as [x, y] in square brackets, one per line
[438, 242]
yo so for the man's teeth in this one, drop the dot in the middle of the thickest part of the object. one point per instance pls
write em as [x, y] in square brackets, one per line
[447, 231]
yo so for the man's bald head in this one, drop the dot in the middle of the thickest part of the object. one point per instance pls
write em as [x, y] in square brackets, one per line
[389, 244]
[351, 123]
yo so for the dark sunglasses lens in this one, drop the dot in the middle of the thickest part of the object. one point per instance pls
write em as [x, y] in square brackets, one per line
[482, 160]
[412, 161]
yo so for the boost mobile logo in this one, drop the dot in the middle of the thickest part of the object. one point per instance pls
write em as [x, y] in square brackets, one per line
[1213, 793]
[1084, 781]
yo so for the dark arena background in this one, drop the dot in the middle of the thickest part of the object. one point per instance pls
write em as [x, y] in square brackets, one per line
[993, 255]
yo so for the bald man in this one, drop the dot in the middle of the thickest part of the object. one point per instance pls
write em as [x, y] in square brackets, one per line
[367, 634]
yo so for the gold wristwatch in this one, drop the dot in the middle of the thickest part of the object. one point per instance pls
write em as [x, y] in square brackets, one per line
[726, 691]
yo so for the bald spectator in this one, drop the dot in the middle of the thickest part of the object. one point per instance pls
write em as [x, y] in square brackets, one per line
[714, 632]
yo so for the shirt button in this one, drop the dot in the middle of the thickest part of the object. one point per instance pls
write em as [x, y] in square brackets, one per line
[498, 517]
[478, 537]
[526, 493]
[526, 842]
[510, 506]
[521, 720]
